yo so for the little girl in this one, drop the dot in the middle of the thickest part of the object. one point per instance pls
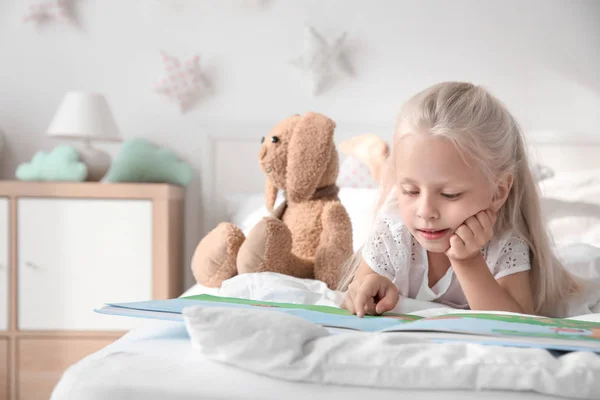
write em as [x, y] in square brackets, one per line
[459, 222]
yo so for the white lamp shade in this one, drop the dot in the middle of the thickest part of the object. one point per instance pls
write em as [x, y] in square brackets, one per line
[84, 116]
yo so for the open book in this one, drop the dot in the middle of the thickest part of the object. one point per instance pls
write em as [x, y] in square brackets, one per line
[481, 327]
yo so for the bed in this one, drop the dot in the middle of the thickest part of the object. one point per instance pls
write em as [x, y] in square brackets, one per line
[157, 360]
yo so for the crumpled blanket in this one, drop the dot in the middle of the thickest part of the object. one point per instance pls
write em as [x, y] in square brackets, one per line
[287, 347]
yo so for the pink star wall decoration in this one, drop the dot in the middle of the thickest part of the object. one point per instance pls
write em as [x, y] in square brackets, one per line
[183, 83]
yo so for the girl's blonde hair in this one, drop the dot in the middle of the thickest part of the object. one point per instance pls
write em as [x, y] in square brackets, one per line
[479, 125]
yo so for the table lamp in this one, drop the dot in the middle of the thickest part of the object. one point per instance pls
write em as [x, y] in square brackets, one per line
[87, 116]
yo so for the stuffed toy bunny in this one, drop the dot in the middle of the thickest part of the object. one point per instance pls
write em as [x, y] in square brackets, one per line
[310, 234]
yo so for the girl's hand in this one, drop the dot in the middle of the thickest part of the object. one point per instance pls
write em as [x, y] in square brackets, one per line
[373, 295]
[469, 238]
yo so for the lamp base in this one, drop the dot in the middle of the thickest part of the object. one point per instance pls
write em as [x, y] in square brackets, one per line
[97, 162]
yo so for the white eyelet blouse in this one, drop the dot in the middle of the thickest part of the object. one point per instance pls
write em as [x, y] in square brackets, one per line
[393, 252]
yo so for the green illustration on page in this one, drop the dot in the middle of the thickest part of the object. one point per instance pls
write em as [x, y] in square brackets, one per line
[317, 308]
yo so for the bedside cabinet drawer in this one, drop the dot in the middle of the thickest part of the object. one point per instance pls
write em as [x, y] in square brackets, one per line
[3, 368]
[76, 254]
[43, 361]
[4, 264]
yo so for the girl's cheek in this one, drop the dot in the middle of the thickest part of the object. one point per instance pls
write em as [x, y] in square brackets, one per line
[459, 213]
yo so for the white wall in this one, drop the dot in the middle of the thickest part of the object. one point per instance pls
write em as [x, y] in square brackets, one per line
[541, 57]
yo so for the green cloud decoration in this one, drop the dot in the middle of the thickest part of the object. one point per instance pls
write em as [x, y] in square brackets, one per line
[139, 160]
[61, 164]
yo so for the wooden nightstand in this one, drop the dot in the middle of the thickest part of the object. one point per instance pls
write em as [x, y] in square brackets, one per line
[65, 249]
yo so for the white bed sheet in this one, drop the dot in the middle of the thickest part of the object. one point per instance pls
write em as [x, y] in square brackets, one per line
[157, 361]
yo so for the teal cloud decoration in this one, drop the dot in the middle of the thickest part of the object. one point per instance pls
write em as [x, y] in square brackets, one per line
[61, 164]
[139, 160]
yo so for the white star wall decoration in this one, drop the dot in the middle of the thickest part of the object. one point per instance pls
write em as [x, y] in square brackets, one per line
[321, 61]
[50, 10]
[183, 82]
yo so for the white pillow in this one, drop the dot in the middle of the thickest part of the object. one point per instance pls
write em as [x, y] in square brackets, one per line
[245, 209]
[360, 204]
[581, 259]
[355, 174]
[571, 207]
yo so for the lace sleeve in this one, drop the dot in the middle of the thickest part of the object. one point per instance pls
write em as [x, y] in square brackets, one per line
[386, 249]
[513, 258]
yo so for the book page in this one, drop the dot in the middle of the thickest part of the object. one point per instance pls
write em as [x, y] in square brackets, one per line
[531, 328]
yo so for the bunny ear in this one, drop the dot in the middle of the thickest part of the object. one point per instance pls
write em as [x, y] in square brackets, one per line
[270, 194]
[309, 150]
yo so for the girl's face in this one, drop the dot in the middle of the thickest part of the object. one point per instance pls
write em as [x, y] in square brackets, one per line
[437, 189]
